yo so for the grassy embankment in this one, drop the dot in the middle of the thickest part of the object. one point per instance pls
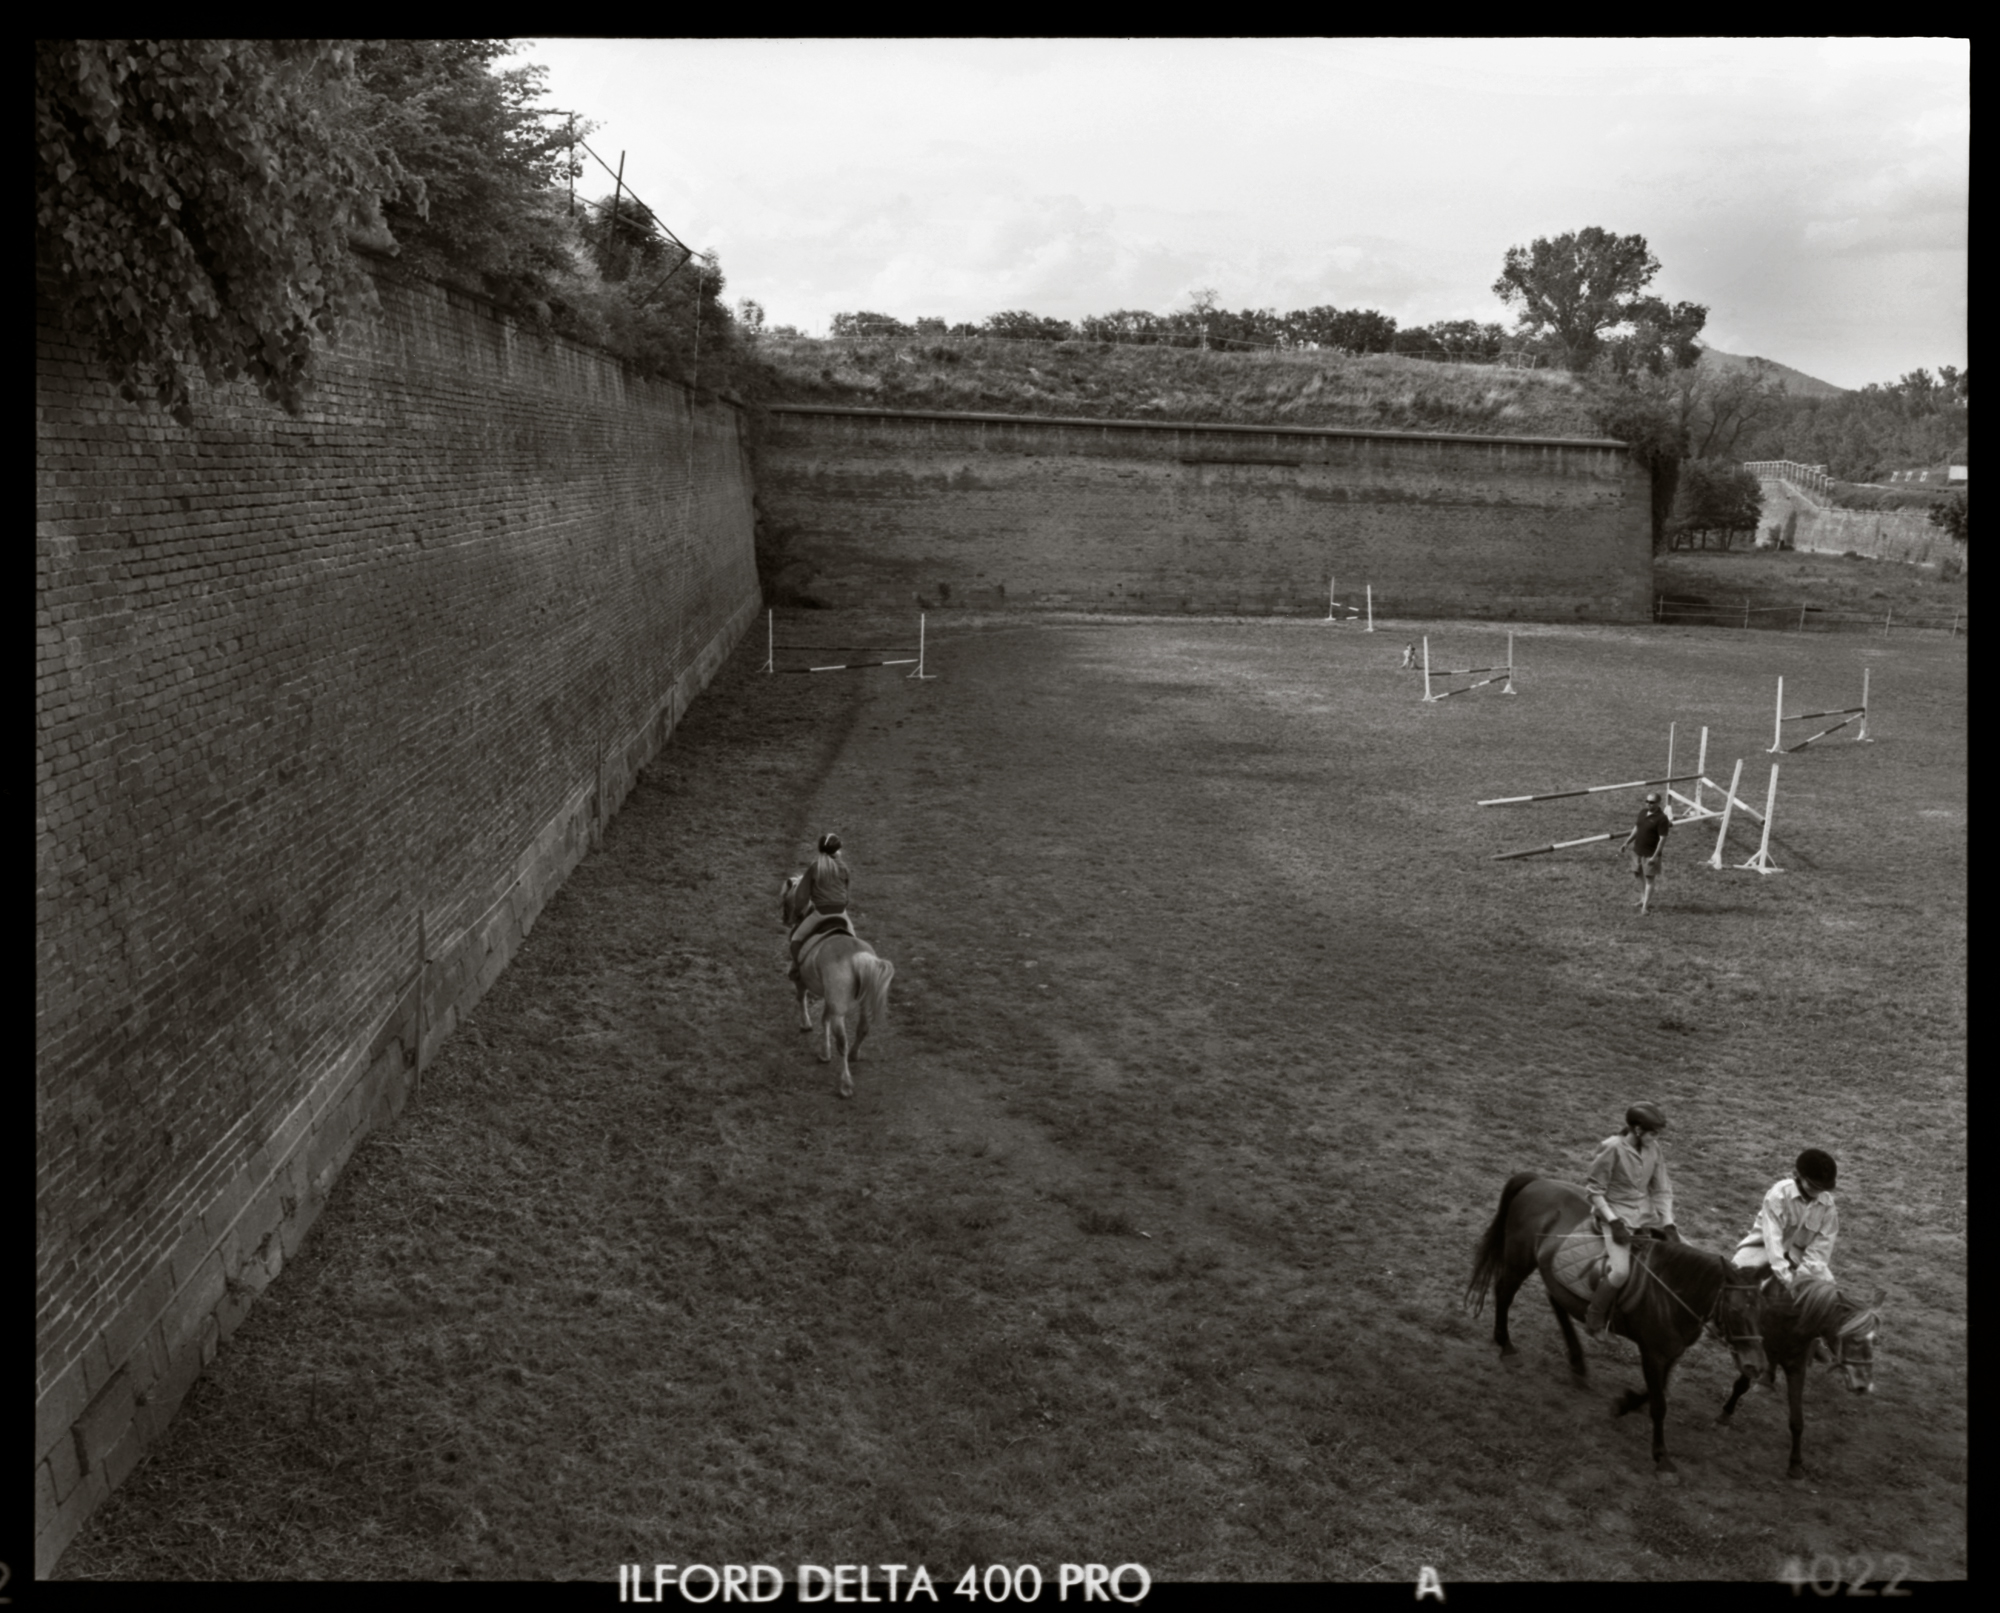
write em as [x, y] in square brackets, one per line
[1093, 380]
[1852, 593]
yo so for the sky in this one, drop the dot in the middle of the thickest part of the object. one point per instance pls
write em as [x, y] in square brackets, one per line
[1813, 193]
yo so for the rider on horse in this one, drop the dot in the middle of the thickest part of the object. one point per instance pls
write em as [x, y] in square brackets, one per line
[1796, 1226]
[1629, 1189]
[824, 892]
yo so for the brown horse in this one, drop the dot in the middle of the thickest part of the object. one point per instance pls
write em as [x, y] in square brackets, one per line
[1674, 1291]
[843, 971]
[1824, 1323]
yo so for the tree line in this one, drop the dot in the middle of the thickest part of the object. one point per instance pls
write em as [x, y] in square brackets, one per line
[198, 204]
[1206, 324]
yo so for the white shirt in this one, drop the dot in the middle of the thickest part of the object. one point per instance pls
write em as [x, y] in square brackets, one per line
[1792, 1230]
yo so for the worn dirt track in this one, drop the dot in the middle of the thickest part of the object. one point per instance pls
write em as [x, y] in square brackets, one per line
[1213, 1037]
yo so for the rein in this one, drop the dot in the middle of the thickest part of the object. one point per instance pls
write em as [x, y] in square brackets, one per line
[1708, 1320]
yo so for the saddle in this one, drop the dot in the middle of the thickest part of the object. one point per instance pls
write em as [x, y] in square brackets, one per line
[1580, 1263]
[815, 928]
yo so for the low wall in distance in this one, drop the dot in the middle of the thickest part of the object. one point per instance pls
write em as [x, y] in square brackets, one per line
[873, 507]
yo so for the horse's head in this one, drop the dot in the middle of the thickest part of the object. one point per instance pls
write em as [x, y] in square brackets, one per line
[1736, 1319]
[792, 905]
[1854, 1346]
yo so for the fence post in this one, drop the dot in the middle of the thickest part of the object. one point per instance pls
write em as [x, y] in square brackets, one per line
[1802, 618]
[1887, 617]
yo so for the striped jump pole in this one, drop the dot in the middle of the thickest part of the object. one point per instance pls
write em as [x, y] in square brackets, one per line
[1760, 859]
[1501, 674]
[1592, 789]
[1334, 606]
[1848, 714]
[917, 660]
[1559, 845]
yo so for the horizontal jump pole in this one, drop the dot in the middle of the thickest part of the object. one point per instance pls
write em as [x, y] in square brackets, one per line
[1807, 716]
[1593, 789]
[1500, 673]
[1467, 671]
[1836, 728]
[1560, 845]
[846, 666]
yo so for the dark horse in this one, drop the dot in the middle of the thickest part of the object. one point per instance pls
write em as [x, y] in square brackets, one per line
[1820, 1321]
[1674, 1291]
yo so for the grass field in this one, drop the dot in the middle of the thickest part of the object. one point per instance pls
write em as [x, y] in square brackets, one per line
[1215, 1033]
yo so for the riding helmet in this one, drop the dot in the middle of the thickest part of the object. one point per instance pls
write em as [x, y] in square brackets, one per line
[1817, 1166]
[829, 844]
[1646, 1114]
[1652, 798]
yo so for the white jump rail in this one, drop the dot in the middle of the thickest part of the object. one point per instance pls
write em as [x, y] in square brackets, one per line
[771, 651]
[1354, 614]
[1696, 807]
[1501, 674]
[1850, 714]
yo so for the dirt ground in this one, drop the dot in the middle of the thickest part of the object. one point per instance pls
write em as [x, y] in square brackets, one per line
[1214, 1033]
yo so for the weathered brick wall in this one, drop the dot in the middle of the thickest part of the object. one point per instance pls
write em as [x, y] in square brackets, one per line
[875, 506]
[300, 682]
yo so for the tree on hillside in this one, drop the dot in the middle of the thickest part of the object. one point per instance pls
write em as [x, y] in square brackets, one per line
[868, 324]
[1121, 325]
[487, 161]
[1718, 409]
[1662, 338]
[1717, 495]
[193, 204]
[1954, 515]
[1573, 289]
[626, 242]
[1018, 323]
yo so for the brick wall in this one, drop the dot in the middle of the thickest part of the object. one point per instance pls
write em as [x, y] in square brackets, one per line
[873, 506]
[303, 684]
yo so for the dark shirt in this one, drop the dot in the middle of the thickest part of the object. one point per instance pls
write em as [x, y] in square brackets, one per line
[1650, 830]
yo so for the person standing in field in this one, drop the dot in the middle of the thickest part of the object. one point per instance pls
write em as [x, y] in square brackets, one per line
[1646, 844]
[1629, 1192]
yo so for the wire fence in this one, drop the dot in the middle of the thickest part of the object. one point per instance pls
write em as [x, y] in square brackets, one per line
[1694, 611]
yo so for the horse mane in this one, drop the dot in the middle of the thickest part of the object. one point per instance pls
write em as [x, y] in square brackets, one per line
[1684, 1261]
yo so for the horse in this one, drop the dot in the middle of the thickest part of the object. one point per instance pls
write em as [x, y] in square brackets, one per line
[1673, 1292]
[1821, 1322]
[844, 972]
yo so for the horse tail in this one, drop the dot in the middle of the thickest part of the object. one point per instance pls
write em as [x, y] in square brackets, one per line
[875, 973]
[1493, 1246]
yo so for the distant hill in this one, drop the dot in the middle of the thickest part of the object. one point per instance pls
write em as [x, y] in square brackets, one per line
[1797, 382]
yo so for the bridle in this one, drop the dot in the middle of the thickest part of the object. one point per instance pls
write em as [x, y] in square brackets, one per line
[1708, 1320]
